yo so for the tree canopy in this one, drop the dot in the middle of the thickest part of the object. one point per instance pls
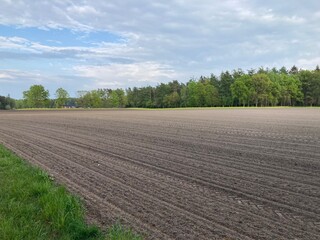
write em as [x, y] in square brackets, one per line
[6, 102]
[61, 97]
[36, 97]
[262, 87]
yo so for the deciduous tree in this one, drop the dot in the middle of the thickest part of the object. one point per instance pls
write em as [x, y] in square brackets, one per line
[61, 97]
[36, 97]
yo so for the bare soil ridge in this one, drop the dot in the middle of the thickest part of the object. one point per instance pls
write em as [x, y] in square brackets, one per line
[191, 174]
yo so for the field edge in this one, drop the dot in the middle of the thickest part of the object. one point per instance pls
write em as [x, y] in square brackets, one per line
[33, 206]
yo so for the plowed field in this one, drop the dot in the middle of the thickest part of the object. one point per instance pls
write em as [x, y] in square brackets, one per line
[183, 174]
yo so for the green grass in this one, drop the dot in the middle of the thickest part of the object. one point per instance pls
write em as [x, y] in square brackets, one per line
[34, 207]
[117, 232]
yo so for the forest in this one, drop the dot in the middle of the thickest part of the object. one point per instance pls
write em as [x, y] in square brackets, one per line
[262, 87]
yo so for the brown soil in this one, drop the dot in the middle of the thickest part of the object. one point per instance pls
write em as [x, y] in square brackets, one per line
[182, 174]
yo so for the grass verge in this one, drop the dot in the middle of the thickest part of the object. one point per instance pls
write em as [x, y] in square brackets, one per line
[33, 207]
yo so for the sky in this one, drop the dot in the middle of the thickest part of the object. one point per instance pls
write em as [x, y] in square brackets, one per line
[86, 45]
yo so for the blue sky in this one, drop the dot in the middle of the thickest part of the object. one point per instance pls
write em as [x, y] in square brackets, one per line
[84, 45]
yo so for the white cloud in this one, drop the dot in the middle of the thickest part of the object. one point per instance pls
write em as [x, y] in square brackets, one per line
[103, 50]
[82, 10]
[13, 75]
[13, 43]
[308, 63]
[124, 75]
[5, 76]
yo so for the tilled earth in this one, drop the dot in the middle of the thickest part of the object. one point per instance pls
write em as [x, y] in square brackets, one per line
[182, 174]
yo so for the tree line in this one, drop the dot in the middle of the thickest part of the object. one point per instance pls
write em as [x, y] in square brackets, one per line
[262, 87]
[6, 103]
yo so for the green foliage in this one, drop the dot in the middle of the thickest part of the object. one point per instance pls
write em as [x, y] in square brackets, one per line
[102, 98]
[289, 89]
[7, 103]
[172, 100]
[33, 207]
[161, 91]
[89, 99]
[118, 98]
[283, 70]
[267, 88]
[193, 94]
[211, 95]
[262, 87]
[226, 80]
[141, 97]
[294, 70]
[36, 97]
[117, 232]
[310, 81]
[240, 89]
[61, 97]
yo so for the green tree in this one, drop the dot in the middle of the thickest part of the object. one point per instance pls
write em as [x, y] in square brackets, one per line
[20, 103]
[261, 86]
[184, 96]
[140, 97]
[240, 89]
[89, 99]
[3, 102]
[315, 88]
[294, 70]
[105, 97]
[7, 103]
[283, 70]
[306, 78]
[192, 93]
[118, 98]
[36, 97]
[146, 97]
[200, 93]
[132, 97]
[261, 70]
[211, 94]
[81, 100]
[172, 100]
[214, 81]
[95, 99]
[275, 91]
[61, 97]
[316, 91]
[237, 73]
[226, 79]
[114, 99]
[161, 91]
[290, 89]
[274, 70]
